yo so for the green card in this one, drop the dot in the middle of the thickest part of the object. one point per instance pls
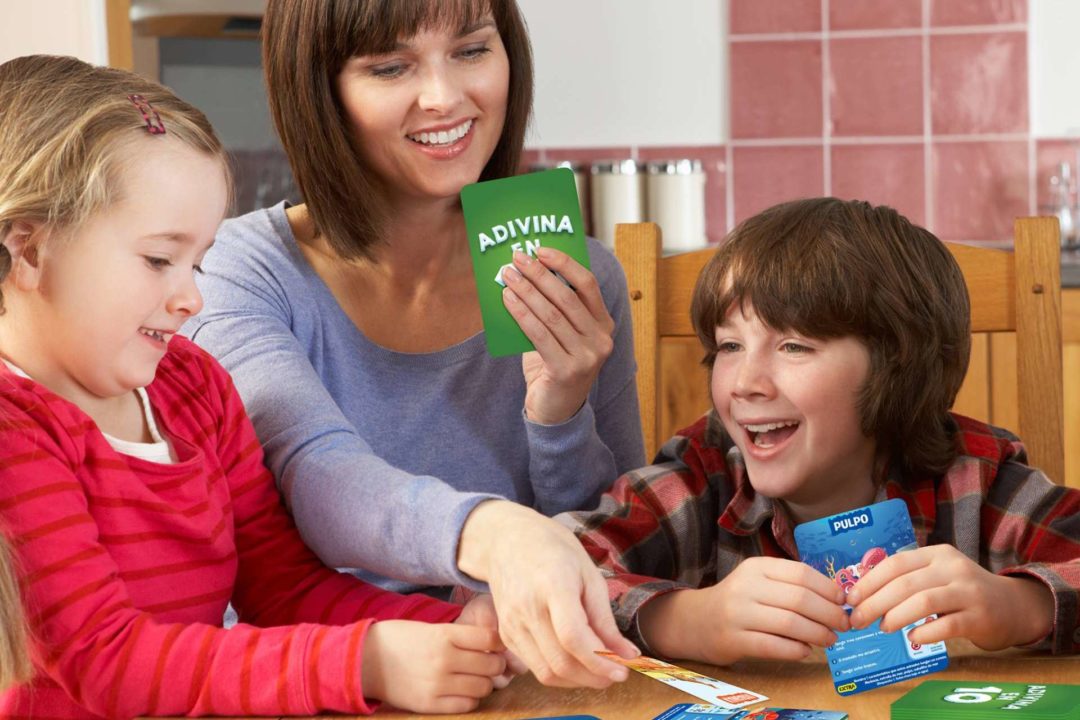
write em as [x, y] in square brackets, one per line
[976, 699]
[521, 213]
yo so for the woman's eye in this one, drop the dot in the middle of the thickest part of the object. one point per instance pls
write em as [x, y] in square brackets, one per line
[475, 52]
[387, 71]
[157, 263]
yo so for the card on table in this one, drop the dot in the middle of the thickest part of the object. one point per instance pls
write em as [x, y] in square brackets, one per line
[711, 690]
[520, 213]
[980, 699]
[845, 547]
[686, 711]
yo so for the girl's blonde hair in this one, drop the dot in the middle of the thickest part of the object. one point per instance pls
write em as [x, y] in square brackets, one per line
[66, 130]
[15, 664]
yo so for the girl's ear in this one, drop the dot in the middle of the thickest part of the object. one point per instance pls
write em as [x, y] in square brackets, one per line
[24, 243]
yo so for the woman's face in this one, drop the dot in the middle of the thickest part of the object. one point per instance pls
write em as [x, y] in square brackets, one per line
[429, 114]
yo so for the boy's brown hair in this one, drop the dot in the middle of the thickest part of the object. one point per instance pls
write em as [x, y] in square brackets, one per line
[306, 43]
[827, 268]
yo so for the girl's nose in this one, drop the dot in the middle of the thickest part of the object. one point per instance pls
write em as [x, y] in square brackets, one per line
[186, 298]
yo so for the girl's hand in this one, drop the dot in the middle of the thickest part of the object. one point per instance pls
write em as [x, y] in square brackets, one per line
[766, 608]
[551, 599]
[480, 611]
[992, 611]
[430, 668]
[571, 329]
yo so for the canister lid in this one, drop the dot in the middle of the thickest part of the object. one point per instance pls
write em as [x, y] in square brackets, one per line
[681, 166]
[615, 167]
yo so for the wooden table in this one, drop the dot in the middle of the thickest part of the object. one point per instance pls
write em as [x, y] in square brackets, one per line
[797, 685]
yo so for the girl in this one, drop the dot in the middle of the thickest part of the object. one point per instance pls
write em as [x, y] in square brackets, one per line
[131, 481]
[352, 326]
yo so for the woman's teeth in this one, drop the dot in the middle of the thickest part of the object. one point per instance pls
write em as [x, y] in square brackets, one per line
[443, 137]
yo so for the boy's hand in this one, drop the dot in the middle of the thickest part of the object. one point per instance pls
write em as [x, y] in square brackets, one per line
[429, 668]
[992, 611]
[480, 611]
[766, 608]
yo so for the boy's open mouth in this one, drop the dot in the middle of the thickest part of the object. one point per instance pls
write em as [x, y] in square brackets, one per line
[770, 434]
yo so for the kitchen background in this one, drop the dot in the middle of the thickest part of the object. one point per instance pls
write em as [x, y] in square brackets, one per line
[956, 112]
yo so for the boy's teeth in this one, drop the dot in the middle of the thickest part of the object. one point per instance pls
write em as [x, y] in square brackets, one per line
[766, 427]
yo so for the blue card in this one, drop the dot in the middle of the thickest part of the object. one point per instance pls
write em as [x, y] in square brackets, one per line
[845, 547]
[686, 711]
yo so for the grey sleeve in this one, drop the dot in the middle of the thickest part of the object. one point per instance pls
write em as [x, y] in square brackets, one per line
[571, 464]
[352, 508]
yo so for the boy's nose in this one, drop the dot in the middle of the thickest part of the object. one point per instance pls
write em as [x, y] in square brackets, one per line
[752, 378]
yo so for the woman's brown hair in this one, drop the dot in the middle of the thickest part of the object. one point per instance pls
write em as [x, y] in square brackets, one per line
[306, 43]
[67, 128]
[827, 268]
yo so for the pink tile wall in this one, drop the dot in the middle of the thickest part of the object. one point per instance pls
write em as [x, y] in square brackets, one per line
[917, 104]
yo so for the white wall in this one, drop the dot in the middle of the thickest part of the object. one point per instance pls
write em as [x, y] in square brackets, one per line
[54, 27]
[628, 72]
[1054, 49]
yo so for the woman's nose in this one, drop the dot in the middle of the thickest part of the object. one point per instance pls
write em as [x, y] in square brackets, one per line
[440, 91]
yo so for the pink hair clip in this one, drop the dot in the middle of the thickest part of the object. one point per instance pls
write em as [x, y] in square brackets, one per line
[154, 126]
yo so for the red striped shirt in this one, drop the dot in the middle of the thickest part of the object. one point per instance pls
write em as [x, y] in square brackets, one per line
[128, 565]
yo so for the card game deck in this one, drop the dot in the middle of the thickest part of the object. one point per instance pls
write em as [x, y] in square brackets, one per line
[520, 213]
[982, 700]
[845, 547]
[686, 711]
[711, 690]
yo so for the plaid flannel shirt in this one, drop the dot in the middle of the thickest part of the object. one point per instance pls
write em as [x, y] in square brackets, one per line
[690, 518]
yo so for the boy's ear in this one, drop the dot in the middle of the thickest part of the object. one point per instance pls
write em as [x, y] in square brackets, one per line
[24, 243]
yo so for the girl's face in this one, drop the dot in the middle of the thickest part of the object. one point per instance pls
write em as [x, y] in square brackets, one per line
[429, 114]
[110, 296]
[790, 404]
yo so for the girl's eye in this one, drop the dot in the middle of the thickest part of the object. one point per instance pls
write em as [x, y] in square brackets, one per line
[157, 263]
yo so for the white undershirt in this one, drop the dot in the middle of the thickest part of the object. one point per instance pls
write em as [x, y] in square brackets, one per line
[158, 451]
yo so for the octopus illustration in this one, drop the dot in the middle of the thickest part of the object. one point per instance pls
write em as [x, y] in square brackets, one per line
[846, 577]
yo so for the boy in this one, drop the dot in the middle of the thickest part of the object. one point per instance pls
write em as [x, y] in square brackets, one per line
[837, 335]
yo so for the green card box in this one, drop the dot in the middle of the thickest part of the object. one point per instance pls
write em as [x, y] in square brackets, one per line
[979, 699]
[519, 213]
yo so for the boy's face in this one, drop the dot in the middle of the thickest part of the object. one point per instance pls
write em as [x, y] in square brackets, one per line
[789, 402]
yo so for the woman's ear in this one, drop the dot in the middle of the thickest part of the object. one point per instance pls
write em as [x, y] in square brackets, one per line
[24, 243]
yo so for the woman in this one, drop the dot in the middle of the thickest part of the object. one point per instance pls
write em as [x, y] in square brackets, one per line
[352, 327]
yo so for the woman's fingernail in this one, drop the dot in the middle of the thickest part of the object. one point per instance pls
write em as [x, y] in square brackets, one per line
[522, 259]
[544, 253]
[510, 273]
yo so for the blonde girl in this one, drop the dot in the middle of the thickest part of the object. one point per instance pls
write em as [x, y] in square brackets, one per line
[132, 486]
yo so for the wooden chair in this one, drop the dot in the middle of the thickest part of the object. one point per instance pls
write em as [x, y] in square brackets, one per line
[1011, 292]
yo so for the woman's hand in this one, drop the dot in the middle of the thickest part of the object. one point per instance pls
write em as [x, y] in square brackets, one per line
[992, 611]
[431, 668]
[766, 608]
[571, 329]
[552, 602]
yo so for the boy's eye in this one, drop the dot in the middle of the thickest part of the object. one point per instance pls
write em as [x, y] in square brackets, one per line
[795, 348]
[157, 263]
[728, 347]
